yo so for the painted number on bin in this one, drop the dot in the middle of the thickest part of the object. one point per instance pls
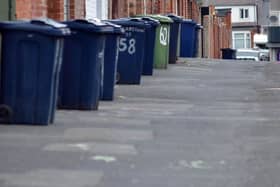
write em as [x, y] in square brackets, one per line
[163, 35]
[128, 45]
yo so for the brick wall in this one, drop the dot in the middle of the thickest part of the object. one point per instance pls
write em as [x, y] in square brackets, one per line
[131, 7]
[77, 9]
[195, 11]
[217, 29]
[182, 8]
[118, 8]
[185, 8]
[140, 9]
[26, 9]
[56, 9]
[217, 34]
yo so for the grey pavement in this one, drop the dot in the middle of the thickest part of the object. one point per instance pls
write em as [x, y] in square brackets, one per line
[201, 123]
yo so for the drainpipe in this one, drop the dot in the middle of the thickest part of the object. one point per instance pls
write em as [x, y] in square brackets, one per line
[152, 6]
[108, 9]
[10, 10]
[164, 7]
[176, 7]
[66, 9]
[128, 8]
[145, 7]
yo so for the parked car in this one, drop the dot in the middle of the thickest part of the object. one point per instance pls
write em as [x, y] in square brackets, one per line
[256, 54]
[263, 54]
[260, 43]
[247, 54]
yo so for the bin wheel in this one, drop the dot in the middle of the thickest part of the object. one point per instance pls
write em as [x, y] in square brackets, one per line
[6, 114]
[118, 77]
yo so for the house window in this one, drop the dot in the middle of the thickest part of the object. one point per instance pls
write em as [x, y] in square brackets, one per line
[248, 40]
[241, 40]
[244, 13]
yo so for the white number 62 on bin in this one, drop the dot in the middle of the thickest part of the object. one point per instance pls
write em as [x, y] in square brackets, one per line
[128, 45]
[163, 35]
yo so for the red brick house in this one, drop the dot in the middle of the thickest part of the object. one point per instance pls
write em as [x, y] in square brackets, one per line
[185, 8]
[217, 29]
[56, 9]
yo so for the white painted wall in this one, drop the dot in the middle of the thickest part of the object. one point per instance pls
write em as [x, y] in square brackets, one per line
[235, 13]
[97, 9]
[102, 13]
[90, 9]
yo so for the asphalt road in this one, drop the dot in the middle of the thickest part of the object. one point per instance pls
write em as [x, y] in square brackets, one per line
[202, 123]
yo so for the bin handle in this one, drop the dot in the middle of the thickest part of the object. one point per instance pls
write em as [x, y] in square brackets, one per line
[90, 21]
[135, 19]
[81, 21]
[146, 19]
[48, 22]
[39, 22]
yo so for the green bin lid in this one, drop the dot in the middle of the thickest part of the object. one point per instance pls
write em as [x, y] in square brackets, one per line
[162, 19]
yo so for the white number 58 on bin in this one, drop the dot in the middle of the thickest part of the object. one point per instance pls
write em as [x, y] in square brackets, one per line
[128, 45]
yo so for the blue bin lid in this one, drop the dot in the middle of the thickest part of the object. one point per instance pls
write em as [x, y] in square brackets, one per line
[189, 21]
[175, 18]
[117, 28]
[228, 49]
[198, 26]
[131, 22]
[92, 26]
[43, 26]
[151, 21]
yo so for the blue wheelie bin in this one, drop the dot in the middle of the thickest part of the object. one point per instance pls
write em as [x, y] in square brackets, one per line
[188, 35]
[81, 71]
[175, 29]
[131, 50]
[148, 64]
[110, 62]
[30, 65]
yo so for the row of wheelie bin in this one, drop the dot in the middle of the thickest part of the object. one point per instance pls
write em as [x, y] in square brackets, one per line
[75, 64]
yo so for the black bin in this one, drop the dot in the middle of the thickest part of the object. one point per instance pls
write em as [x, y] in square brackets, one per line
[228, 53]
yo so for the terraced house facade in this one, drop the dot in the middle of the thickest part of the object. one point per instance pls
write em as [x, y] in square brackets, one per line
[248, 17]
[185, 8]
[217, 27]
[103, 9]
[56, 9]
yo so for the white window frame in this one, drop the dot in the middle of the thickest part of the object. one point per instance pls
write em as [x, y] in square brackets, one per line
[245, 38]
[97, 9]
[243, 11]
